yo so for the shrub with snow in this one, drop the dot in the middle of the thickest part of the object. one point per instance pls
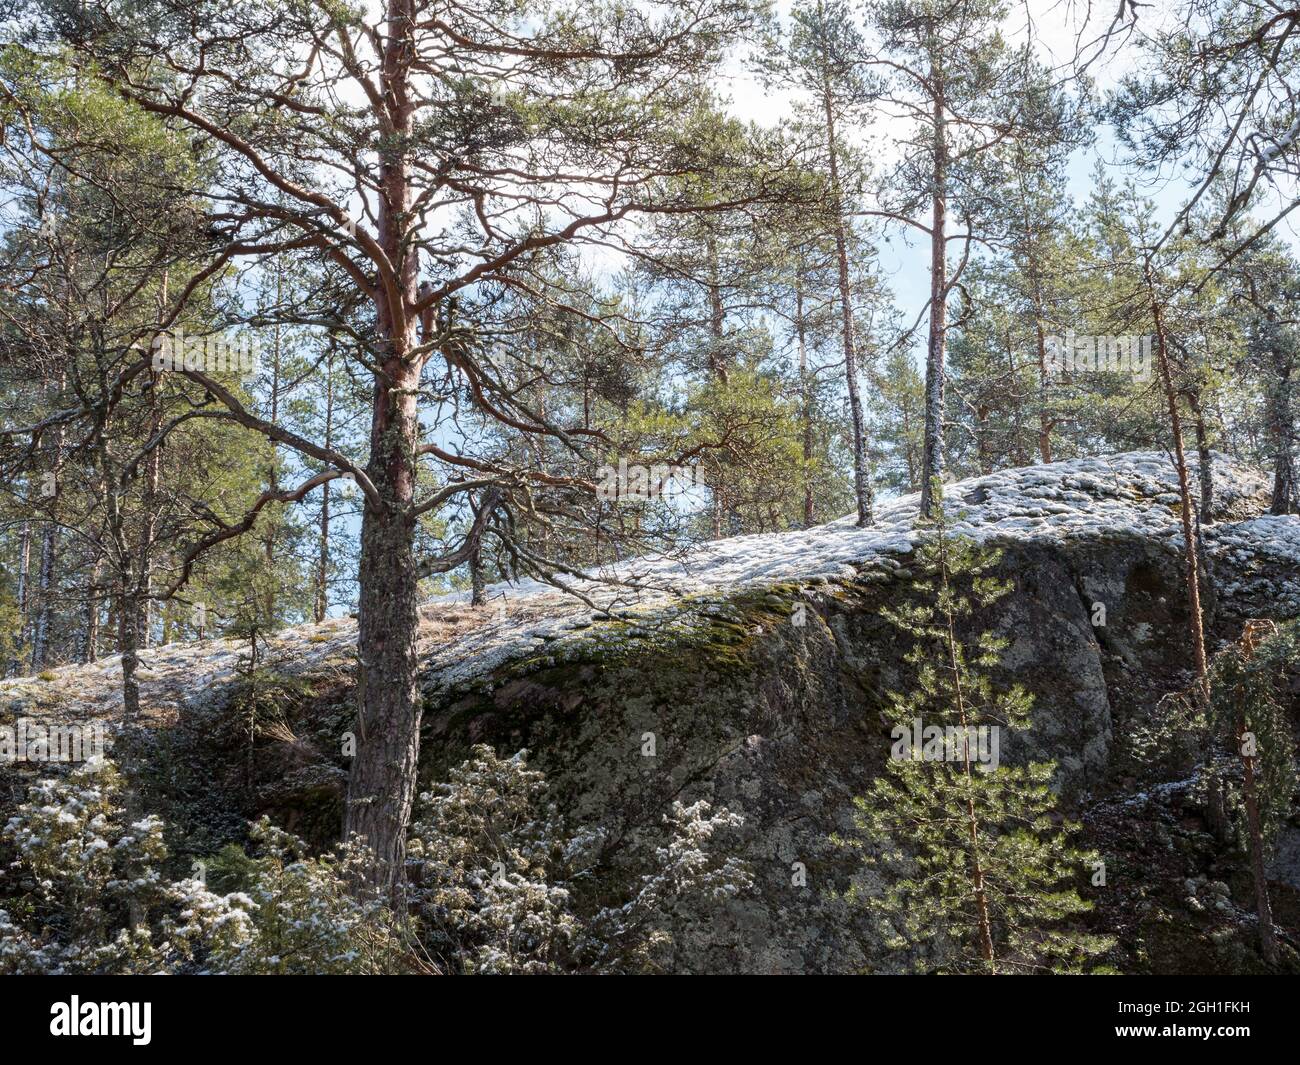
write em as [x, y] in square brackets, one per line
[493, 871]
[310, 915]
[89, 894]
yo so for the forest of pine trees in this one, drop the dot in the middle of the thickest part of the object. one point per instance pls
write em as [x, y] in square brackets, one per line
[313, 310]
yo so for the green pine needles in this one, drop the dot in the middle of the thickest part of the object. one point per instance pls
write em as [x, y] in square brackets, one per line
[1248, 719]
[978, 869]
[1250, 731]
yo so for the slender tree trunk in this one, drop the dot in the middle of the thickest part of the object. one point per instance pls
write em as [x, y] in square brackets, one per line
[24, 595]
[149, 527]
[1045, 420]
[806, 409]
[128, 620]
[718, 355]
[477, 595]
[1279, 423]
[861, 473]
[46, 574]
[125, 602]
[1044, 413]
[1205, 460]
[719, 367]
[323, 557]
[932, 451]
[1195, 621]
[128, 613]
[273, 472]
[45, 579]
[90, 640]
[149, 516]
[323, 536]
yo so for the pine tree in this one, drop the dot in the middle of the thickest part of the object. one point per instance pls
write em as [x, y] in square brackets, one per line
[593, 97]
[965, 94]
[1249, 720]
[979, 863]
[823, 58]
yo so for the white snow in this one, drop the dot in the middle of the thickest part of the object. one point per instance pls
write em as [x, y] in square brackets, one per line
[1130, 494]
[1272, 151]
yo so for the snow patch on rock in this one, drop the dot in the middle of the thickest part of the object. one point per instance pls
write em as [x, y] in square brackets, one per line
[1127, 495]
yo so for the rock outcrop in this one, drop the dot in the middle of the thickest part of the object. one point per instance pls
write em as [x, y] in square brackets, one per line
[752, 673]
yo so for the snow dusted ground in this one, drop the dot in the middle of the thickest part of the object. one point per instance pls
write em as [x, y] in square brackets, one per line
[1129, 494]
[1133, 493]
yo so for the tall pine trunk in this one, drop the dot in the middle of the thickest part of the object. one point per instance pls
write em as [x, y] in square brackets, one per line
[806, 404]
[148, 530]
[861, 475]
[46, 573]
[268, 604]
[719, 357]
[381, 786]
[321, 605]
[1279, 422]
[90, 632]
[1044, 413]
[128, 644]
[20, 658]
[1196, 627]
[149, 517]
[45, 579]
[128, 610]
[932, 449]
[1045, 420]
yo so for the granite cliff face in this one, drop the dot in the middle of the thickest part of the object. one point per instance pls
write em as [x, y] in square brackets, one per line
[765, 697]
[752, 674]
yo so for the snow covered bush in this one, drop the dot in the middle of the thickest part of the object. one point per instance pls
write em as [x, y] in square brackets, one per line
[308, 914]
[481, 856]
[687, 874]
[493, 872]
[494, 878]
[90, 897]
